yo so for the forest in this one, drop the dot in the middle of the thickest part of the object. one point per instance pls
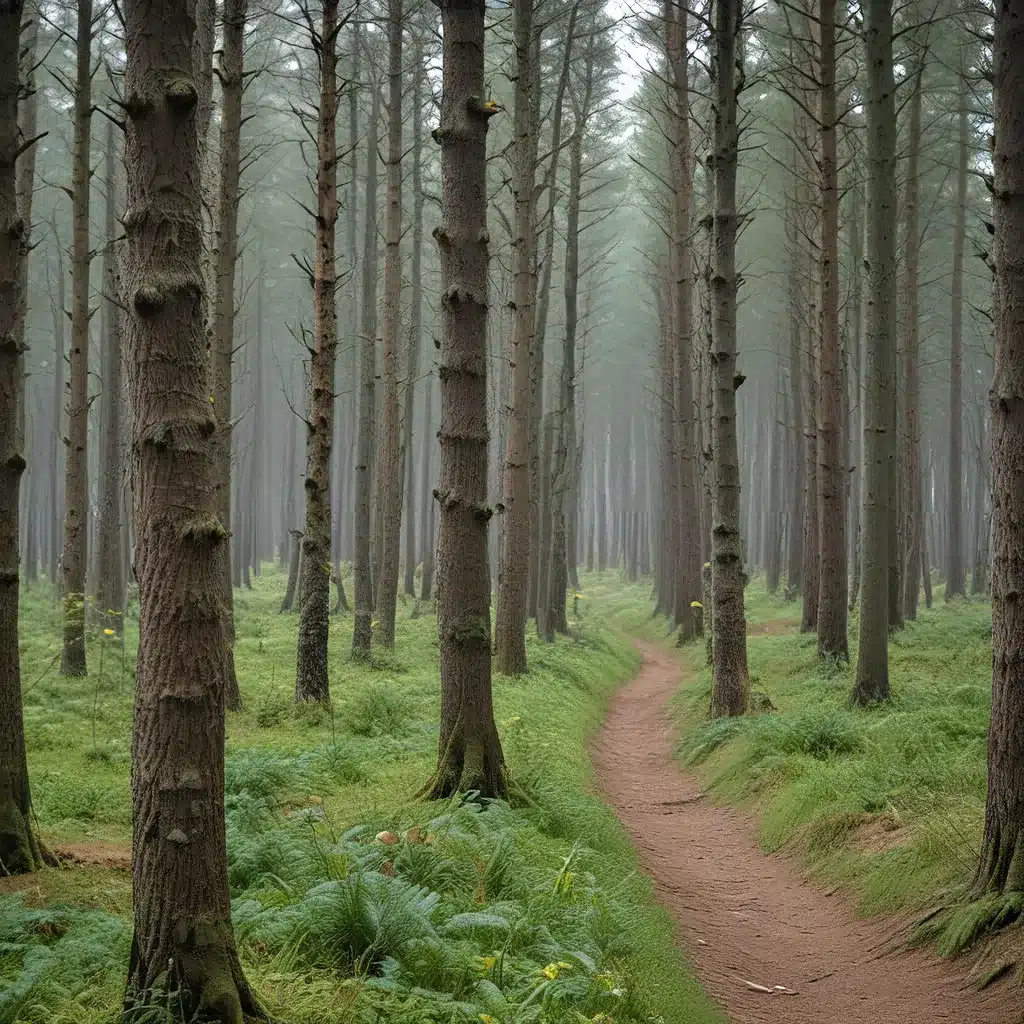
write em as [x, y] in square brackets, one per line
[511, 511]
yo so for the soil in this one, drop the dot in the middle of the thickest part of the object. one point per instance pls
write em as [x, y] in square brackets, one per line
[746, 919]
[107, 855]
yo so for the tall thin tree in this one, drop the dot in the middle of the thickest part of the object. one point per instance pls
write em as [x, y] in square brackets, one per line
[469, 750]
[19, 847]
[183, 940]
[390, 471]
[76, 487]
[730, 692]
[311, 679]
[1001, 867]
[514, 568]
[872, 682]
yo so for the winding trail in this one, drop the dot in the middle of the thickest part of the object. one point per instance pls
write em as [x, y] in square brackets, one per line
[749, 918]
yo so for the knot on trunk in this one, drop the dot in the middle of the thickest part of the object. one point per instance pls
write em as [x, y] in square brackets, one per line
[181, 95]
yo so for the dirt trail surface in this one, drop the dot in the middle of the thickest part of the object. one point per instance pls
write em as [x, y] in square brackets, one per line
[750, 919]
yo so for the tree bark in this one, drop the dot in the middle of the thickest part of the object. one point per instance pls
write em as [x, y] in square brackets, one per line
[288, 603]
[390, 471]
[469, 750]
[730, 694]
[182, 909]
[57, 412]
[798, 438]
[686, 576]
[514, 567]
[911, 353]
[415, 315]
[428, 508]
[311, 679]
[362, 630]
[19, 848]
[109, 577]
[1001, 867]
[832, 638]
[955, 571]
[76, 487]
[872, 680]
[225, 257]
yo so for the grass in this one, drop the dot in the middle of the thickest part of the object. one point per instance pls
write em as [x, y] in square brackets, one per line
[886, 802]
[351, 902]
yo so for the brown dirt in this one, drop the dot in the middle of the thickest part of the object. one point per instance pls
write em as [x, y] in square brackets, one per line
[107, 855]
[747, 918]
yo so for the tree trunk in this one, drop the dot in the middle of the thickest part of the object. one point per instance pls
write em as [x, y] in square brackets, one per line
[428, 509]
[182, 906]
[686, 569]
[856, 392]
[545, 629]
[872, 681]
[798, 438]
[109, 578]
[469, 756]
[911, 355]
[955, 572]
[25, 187]
[76, 487]
[730, 692]
[516, 550]
[225, 257]
[832, 638]
[1001, 867]
[288, 604]
[390, 471]
[362, 630]
[57, 413]
[809, 569]
[415, 316]
[668, 555]
[311, 679]
[19, 847]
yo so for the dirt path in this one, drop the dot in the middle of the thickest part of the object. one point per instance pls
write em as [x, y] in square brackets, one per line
[746, 917]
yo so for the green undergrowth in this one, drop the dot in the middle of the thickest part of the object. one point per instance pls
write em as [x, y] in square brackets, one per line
[886, 802]
[352, 902]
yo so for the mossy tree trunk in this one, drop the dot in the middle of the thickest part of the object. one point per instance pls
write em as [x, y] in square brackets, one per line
[831, 496]
[109, 575]
[390, 472]
[1002, 854]
[872, 682]
[469, 750]
[19, 848]
[76, 487]
[182, 906]
[311, 679]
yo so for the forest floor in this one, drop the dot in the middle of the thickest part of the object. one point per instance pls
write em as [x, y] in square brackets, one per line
[798, 848]
[526, 914]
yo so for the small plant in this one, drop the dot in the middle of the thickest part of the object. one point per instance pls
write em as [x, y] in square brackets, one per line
[376, 710]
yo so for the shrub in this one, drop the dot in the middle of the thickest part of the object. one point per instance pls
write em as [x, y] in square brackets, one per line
[376, 710]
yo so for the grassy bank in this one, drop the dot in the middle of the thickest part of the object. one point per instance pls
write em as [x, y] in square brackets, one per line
[886, 802]
[352, 903]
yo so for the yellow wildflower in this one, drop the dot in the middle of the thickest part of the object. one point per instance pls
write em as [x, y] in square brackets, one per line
[550, 972]
[108, 632]
[696, 604]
